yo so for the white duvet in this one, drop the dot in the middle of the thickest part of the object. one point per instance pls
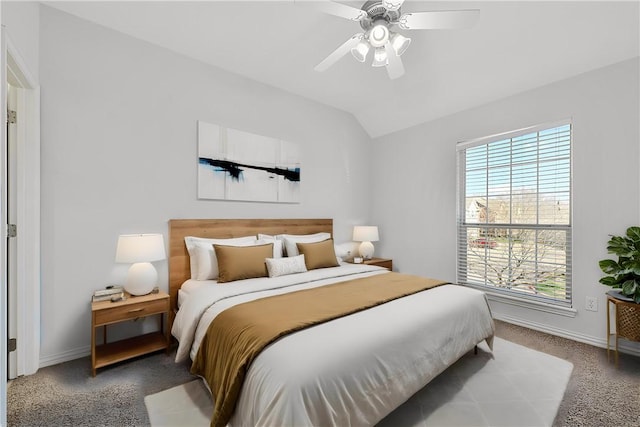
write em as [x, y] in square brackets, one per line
[350, 371]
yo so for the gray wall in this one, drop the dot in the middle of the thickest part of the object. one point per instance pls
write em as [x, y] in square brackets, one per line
[414, 174]
[21, 21]
[119, 150]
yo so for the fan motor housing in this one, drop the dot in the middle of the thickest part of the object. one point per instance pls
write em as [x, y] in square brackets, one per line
[376, 11]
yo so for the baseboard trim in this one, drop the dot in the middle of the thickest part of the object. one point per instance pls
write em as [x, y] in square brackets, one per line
[65, 356]
[623, 346]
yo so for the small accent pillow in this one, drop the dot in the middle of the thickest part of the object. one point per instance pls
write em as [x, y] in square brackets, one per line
[242, 262]
[318, 255]
[283, 266]
[290, 241]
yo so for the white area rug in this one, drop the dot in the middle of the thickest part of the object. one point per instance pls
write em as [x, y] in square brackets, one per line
[513, 386]
[186, 405]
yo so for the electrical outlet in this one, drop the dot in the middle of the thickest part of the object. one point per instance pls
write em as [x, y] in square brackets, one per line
[591, 304]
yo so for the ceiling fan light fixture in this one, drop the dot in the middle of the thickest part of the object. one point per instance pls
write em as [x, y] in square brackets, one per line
[400, 43]
[379, 35]
[380, 58]
[360, 51]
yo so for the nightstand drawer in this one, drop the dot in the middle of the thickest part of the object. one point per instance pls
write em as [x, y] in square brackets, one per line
[131, 311]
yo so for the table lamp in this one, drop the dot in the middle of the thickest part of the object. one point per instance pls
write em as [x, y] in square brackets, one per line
[140, 250]
[365, 234]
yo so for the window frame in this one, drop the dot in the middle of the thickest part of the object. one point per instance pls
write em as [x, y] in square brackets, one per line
[515, 297]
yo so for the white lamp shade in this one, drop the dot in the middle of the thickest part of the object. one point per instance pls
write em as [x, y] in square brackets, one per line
[400, 43]
[380, 58]
[360, 51]
[365, 233]
[134, 248]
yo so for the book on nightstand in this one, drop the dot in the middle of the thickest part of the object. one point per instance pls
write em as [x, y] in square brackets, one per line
[97, 298]
[107, 294]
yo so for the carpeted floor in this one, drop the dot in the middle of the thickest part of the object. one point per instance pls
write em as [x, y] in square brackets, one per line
[67, 395]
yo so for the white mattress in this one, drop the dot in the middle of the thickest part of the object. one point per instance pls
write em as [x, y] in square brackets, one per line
[350, 371]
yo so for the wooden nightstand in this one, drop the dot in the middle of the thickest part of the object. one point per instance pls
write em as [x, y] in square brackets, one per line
[105, 313]
[380, 262]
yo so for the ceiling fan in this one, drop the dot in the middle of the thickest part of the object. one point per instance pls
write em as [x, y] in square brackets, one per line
[379, 20]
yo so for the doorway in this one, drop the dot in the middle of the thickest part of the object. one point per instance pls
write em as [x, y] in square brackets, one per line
[21, 207]
[11, 248]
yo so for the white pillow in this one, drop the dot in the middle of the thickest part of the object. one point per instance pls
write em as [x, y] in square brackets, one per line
[282, 266]
[202, 258]
[290, 241]
[278, 244]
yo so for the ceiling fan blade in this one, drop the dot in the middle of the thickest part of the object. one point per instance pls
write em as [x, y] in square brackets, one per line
[341, 10]
[395, 68]
[439, 20]
[339, 52]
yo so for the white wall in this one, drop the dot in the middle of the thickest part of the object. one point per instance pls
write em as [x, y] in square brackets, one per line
[119, 149]
[21, 22]
[414, 174]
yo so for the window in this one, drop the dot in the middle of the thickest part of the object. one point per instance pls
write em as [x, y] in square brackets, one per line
[514, 213]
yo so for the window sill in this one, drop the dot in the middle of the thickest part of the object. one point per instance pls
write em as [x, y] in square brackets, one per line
[526, 303]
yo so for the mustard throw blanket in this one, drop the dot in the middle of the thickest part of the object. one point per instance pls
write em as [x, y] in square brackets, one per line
[237, 335]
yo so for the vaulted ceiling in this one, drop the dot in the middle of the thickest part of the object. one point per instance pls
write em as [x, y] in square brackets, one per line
[515, 46]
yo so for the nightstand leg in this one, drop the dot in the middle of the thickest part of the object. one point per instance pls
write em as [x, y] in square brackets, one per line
[608, 329]
[165, 332]
[93, 351]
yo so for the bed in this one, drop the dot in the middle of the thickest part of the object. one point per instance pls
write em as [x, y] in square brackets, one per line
[351, 370]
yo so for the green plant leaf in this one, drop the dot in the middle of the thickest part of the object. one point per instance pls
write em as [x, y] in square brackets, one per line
[621, 246]
[633, 266]
[634, 233]
[610, 281]
[629, 287]
[636, 297]
[609, 266]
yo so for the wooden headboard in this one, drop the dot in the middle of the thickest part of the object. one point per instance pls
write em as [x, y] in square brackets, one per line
[179, 269]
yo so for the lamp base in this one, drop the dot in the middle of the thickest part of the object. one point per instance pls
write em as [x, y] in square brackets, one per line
[366, 250]
[141, 279]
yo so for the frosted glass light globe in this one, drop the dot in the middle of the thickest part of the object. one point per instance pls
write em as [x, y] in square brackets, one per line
[379, 35]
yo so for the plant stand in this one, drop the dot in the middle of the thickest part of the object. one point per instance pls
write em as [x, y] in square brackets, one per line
[627, 324]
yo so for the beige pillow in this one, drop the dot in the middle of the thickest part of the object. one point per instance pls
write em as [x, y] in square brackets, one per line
[242, 262]
[202, 258]
[290, 241]
[319, 254]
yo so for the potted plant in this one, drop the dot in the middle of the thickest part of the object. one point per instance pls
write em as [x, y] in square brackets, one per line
[624, 273]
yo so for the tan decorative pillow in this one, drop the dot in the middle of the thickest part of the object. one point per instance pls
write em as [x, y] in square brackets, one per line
[319, 254]
[242, 262]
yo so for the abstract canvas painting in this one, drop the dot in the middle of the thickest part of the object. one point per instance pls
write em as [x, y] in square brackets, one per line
[238, 165]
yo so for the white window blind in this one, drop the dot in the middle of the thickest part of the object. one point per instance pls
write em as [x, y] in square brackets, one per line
[514, 213]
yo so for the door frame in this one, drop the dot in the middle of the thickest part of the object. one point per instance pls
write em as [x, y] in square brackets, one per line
[27, 216]
[28, 211]
[3, 231]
